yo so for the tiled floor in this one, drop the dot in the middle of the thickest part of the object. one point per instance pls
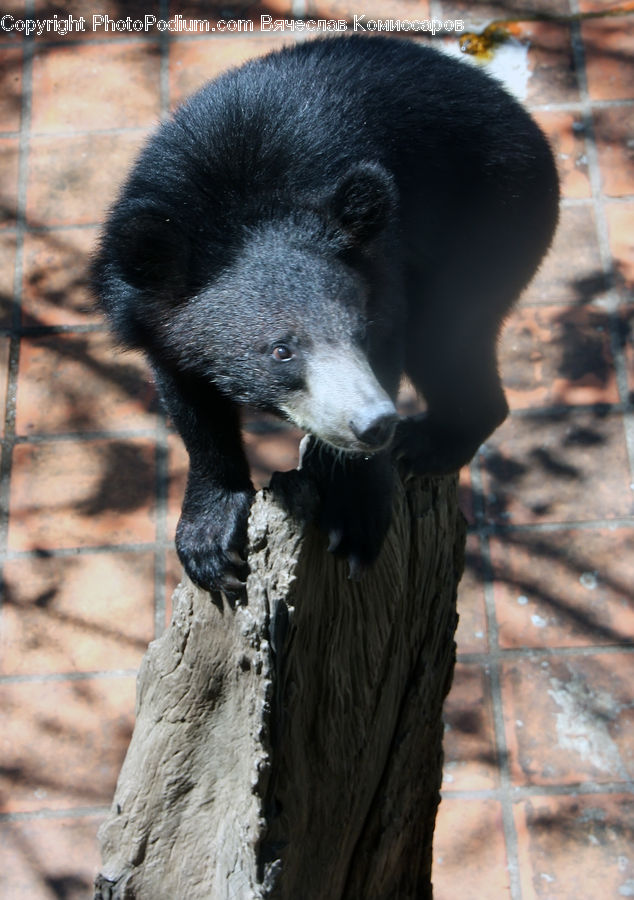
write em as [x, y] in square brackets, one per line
[538, 794]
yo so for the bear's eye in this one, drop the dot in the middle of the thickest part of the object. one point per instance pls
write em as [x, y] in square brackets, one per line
[282, 353]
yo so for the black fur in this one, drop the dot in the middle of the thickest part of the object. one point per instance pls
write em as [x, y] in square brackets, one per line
[346, 193]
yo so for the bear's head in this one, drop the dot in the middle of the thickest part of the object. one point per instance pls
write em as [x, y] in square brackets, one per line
[284, 320]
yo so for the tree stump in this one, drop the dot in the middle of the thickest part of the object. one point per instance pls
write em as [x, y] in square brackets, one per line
[290, 746]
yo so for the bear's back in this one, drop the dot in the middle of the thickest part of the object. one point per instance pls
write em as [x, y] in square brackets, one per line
[278, 132]
[294, 118]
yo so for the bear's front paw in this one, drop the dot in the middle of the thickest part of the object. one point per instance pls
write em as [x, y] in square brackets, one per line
[426, 448]
[212, 542]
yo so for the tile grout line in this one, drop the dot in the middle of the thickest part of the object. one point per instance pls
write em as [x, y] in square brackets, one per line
[85, 437]
[75, 812]
[526, 792]
[55, 677]
[122, 130]
[179, 37]
[9, 412]
[161, 432]
[500, 528]
[34, 331]
[510, 654]
[488, 531]
[87, 550]
[492, 661]
[615, 301]
[52, 229]
[575, 789]
[73, 133]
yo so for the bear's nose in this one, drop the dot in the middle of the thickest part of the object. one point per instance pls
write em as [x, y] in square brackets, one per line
[377, 431]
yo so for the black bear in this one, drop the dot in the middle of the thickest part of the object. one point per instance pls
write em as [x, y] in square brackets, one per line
[302, 232]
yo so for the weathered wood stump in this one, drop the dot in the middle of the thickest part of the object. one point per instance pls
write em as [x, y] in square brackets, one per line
[291, 746]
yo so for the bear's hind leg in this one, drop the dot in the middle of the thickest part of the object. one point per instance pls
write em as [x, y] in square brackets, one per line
[355, 501]
[452, 362]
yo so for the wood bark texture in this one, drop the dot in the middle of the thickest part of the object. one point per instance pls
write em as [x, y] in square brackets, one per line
[290, 746]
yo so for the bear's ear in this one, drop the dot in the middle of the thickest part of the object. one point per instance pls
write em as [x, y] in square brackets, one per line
[363, 202]
[151, 248]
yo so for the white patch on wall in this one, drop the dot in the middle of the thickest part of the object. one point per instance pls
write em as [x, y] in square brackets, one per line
[509, 63]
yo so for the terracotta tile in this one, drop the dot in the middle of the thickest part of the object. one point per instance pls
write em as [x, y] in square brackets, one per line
[566, 467]
[7, 269]
[10, 89]
[411, 10]
[45, 858]
[621, 232]
[569, 719]
[465, 495]
[5, 344]
[193, 63]
[564, 589]
[471, 634]
[566, 133]
[96, 386]
[72, 180]
[557, 355]
[572, 272]
[178, 467]
[471, 762]
[551, 62]
[483, 11]
[63, 742]
[114, 9]
[113, 86]
[173, 577]
[55, 287]
[82, 494]
[90, 612]
[614, 128]
[475, 16]
[271, 446]
[576, 846]
[586, 6]
[469, 851]
[609, 49]
[9, 160]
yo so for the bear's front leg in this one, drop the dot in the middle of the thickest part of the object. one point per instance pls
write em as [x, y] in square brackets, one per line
[355, 501]
[211, 536]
